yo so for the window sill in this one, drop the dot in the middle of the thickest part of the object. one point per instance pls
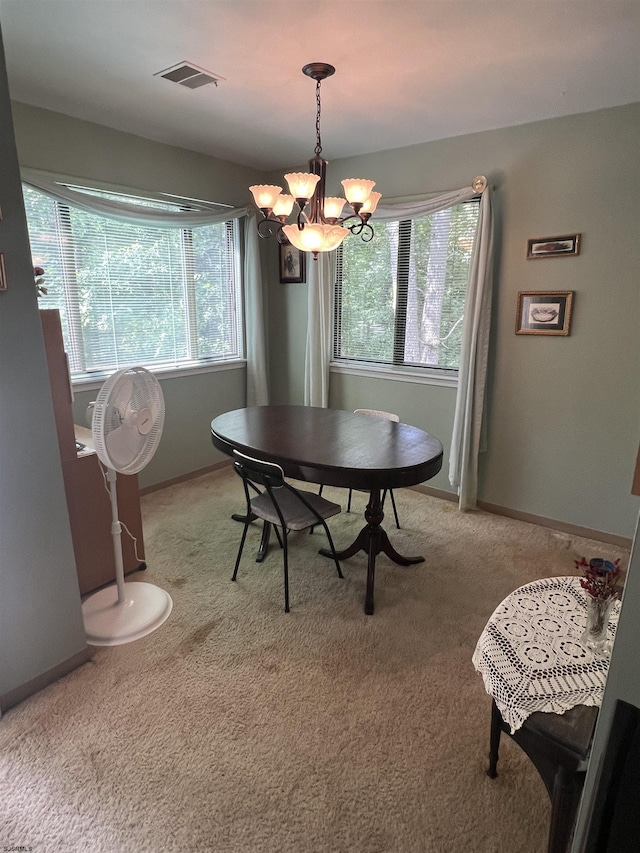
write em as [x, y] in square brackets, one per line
[96, 380]
[446, 379]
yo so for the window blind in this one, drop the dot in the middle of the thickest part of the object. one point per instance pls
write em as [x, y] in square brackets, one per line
[400, 299]
[131, 294]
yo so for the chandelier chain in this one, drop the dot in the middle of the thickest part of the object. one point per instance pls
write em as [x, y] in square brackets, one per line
[318, 148]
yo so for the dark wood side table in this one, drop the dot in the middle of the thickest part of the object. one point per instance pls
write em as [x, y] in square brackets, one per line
[558, 746]
[546, 688]
[336, 448]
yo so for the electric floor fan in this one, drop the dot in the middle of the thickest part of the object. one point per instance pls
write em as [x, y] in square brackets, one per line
[126, 425]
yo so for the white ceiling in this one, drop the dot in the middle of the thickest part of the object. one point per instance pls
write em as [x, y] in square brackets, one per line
[408, 71]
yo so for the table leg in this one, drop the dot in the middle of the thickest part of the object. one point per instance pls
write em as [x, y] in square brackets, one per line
[264, 542]
[372, 539]
[494, 740]
[374, 549]
[237, 516]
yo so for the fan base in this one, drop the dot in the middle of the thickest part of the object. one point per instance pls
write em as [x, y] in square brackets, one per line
[109, 623]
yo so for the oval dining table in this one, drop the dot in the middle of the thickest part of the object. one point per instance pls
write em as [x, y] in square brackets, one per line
[336, 448]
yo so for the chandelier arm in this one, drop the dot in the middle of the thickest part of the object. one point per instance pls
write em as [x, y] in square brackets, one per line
[362, 230]
[269, 226]
[359, 216]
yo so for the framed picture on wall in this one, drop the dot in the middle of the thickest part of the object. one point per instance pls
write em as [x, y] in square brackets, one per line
[544, 312]
[3, 275]
[553, 247]
[292, 264]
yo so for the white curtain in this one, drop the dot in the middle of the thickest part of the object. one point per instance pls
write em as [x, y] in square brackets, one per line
[469, 437]
[390, 212]
[467, 428]
[321, 274]
[255, 346]
[257, 392]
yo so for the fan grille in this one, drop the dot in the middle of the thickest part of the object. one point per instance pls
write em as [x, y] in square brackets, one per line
[128, 417]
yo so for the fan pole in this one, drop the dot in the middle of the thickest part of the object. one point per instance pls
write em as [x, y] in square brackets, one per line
[116, 532]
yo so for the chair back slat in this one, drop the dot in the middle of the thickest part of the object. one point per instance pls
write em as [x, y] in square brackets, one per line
[267, 474]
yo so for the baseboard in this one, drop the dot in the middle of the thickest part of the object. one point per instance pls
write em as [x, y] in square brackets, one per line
[436, 493]
[19, 694]
[530, 518]
[184, 477]
[563, 527]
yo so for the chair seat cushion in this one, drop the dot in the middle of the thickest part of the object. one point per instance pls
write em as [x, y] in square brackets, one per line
[296, 514]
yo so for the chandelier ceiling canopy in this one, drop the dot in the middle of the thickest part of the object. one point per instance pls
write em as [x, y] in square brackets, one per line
[320, 225]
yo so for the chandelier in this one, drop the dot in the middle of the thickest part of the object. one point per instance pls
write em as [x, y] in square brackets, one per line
[320, 225]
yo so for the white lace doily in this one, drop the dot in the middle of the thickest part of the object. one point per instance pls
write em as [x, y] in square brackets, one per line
[530, 655]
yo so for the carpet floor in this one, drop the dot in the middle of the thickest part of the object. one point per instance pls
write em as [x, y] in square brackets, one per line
[236, 727]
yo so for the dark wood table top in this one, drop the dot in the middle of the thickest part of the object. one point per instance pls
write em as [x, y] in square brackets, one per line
[331, 447]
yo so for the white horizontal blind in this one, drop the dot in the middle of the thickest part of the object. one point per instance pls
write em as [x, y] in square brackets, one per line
[131, 294]
[400, 299]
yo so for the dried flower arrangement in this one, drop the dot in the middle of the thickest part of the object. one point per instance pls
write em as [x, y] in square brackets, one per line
[600, 577]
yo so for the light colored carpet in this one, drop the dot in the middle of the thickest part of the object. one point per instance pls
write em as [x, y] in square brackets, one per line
[236, 727]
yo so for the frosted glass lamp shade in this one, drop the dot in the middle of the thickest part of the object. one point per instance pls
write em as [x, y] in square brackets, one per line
[371, 203]
[302, 184]
[315, 238]
[283, 205]
[265, 195]
[333, 207]
[357, 190]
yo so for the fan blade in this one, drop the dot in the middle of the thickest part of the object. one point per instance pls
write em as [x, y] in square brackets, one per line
[123, 445]
[122, 392]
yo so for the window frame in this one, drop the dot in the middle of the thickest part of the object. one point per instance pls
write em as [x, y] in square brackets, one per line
[90, 379]
[396, 369]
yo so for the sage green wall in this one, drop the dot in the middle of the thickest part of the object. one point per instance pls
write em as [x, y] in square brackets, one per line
[57, 143]
[191, 403]
[563, 412]
[71, 147]
[40, 618]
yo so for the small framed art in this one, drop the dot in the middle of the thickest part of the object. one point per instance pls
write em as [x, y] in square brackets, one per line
[553, 247]
[3, 275]
[544, 312]
[292, 264]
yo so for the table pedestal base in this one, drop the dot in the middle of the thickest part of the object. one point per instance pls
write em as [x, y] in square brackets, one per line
[372, 539]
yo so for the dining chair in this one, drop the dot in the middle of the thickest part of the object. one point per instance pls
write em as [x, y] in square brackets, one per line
[279, 504]
[376, 413]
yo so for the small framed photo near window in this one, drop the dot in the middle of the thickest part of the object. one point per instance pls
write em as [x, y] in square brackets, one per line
[292, 264]
[553, 247]
[544, 312]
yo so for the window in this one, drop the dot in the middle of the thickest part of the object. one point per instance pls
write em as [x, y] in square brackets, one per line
[131, 294]
[400, 299]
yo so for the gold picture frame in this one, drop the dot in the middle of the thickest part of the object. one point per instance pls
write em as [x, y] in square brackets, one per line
[546, 312]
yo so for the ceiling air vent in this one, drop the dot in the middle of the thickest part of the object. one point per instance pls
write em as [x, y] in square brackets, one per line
[189, 75]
